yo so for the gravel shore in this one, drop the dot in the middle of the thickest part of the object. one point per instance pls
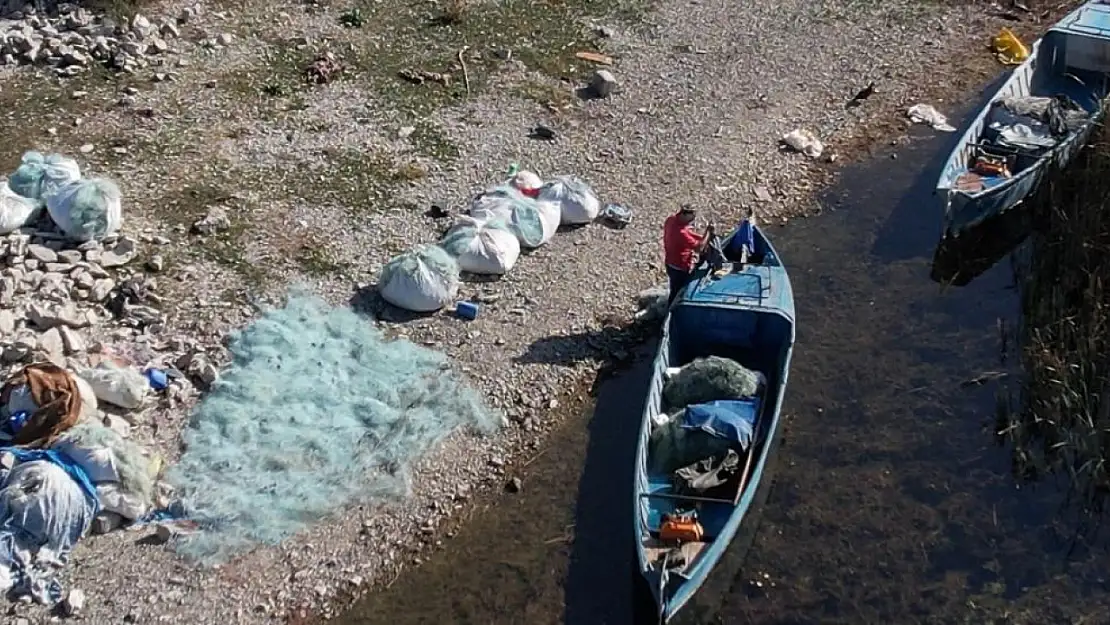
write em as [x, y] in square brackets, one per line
[324, 183]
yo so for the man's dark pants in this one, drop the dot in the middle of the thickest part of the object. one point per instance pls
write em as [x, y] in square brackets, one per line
[678, 279]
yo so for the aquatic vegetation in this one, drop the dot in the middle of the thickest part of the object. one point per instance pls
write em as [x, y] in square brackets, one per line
[1057, 419]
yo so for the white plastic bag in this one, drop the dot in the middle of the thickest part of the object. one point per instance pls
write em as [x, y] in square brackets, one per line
[86, 210]
[551, 215]
[40, 176]
[57, 172]
[114, 499]
[928, 114]
[99, 463]
[481, 247]
[525, 180]
[89, 405]
[16, 211]
[120, 386]
[48, 505]
[421, 280]
[805, 142]
[577, 202]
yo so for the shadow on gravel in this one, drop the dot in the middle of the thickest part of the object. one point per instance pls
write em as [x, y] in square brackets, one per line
[612, 344]
[367, 301]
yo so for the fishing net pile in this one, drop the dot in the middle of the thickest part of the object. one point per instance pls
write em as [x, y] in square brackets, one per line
[710, 379]
[652, 304]
[698, 386]
[317, 410]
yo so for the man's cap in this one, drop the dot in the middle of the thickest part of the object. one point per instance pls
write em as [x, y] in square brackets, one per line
[686, 208]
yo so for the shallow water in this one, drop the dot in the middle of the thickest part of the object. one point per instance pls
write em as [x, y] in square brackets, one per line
[891, 501]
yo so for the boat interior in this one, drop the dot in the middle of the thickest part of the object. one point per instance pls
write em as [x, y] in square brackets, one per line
[759, 341]
[1010, 141]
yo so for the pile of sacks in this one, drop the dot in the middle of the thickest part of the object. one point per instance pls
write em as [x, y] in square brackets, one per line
[81, 209]
[61, 469]
[521, 213]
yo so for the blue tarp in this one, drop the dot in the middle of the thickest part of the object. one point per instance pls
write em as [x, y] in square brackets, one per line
[66, 463]
[45, 508]
[731, 419]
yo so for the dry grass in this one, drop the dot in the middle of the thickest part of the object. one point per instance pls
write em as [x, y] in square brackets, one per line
[454, 11]
[1058, 420]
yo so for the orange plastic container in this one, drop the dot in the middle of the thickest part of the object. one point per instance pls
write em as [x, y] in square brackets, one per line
[681, 528]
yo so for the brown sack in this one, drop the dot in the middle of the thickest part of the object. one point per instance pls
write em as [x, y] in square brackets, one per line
[57, 396]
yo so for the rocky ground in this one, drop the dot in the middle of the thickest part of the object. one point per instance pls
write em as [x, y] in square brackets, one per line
[260, 144]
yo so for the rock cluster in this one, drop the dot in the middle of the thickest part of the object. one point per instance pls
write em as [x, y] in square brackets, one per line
[73, 293]
[73, 39]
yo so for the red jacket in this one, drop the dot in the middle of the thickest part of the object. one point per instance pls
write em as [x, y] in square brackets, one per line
[680, 244]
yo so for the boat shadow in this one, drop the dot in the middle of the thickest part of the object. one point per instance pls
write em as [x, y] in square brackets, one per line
[599, 579]
[959, 261]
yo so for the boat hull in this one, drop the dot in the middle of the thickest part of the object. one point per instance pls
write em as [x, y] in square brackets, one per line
[670, 595]
[964, 211]
[1073, 60]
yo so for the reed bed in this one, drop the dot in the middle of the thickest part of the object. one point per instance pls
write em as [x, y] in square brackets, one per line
[1057, 417]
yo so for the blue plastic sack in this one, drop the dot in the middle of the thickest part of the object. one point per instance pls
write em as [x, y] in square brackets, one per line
[744, 237]
[158, 379]
[16, 422]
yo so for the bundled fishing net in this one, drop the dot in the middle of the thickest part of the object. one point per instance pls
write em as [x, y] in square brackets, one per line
[90, 443]
[710, 379]
[423, 279]
[527, 225]
[482, 247]
[651, 304]
[317, 411]
[532, 222]
[16, 211]
[672, 446]
[39, 176]
[86, 210]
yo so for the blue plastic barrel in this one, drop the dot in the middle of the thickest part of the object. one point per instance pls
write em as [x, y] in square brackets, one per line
[466, 310]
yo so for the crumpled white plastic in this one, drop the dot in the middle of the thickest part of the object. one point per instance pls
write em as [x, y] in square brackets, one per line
[928, 114]
[805, 142]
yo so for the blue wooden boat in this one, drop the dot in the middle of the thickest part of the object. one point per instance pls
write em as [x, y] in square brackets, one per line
[1039, 118]
[743, 312]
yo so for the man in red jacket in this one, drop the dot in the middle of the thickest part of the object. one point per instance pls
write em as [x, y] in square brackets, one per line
[681, 246]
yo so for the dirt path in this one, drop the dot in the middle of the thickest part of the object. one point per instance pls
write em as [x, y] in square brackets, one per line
[324, 182]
